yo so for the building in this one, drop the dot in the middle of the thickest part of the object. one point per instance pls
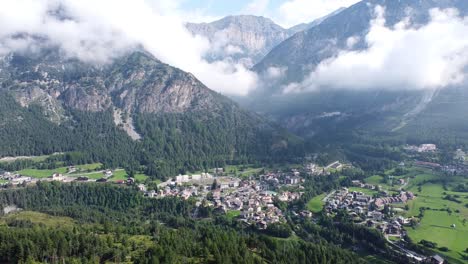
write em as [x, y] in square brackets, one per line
[108, 174]
[57, 177]
[427, 148]
[436, 259]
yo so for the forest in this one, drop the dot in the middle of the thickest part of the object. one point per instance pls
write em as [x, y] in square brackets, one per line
[172, 143]
[119, 224]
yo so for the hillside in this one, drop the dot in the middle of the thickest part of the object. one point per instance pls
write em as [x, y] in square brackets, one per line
[133, 111]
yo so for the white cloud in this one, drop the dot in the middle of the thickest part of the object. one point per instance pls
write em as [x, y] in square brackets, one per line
[100, 30]
[295, 12]
[401, 57]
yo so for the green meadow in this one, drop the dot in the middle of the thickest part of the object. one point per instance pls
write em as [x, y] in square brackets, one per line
[36, 173]
[316, 204]
[439, 216]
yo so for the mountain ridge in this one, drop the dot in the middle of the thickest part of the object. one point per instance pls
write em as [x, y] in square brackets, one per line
[137, 108]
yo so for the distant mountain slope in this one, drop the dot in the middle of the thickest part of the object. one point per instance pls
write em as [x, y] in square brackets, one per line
[243, 38]
[135, 110]
[302, 52]
[336, 115]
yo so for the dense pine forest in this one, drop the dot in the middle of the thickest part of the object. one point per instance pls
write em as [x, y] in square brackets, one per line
[171, 144]
[118, 224]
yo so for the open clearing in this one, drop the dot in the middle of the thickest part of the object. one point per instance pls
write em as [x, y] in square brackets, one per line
[315, 205]
[435, 225]
[38, 218]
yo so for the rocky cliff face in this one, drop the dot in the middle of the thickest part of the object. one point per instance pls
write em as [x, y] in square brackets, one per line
[137, 83]
[245, 39]
[136, 110]
[134, 84]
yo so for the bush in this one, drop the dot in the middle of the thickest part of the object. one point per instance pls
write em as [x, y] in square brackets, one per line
[444, 249]
[428, 244]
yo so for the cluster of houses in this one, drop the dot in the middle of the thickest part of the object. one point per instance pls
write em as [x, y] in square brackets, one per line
[423, 148]
[274, 179]
[367, 210]
[357, 202]
[251, 198]
[14, 178]
[18, 179]
[360, 184]
[403, 197]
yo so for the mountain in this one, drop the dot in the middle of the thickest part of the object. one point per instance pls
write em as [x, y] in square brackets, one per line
[135, 110]
[340, 115]
[303, 51]
[245, 39]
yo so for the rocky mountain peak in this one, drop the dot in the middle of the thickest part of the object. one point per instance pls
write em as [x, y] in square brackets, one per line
[245, 39]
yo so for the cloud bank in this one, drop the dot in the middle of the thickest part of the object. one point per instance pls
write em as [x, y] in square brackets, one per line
[399, 57]
[99, 30]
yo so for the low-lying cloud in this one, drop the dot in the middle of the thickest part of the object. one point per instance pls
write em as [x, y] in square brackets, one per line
[399, 57]
[97, 31]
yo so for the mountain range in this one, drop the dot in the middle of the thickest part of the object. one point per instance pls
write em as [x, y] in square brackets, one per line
[148, 113]
[333, 114]
[137, 108]
[246, 39]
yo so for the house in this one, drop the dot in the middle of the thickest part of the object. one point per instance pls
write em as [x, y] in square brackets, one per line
[335, 165]
[108, 174]
[429, 165]
[57, 177]
[427, 148]
[151, 194]
[21, 180]
[436, 259]
[218, 170]
[130, 181]
[142, 187]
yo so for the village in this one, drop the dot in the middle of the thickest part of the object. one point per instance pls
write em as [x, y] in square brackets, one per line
[253, 200]
[368, 210]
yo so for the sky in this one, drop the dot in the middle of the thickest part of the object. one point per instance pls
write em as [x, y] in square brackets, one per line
[286, 13]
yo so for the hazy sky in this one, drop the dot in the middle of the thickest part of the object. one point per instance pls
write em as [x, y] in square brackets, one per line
[285, 12]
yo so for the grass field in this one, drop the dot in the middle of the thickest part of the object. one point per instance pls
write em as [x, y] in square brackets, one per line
[89, 167]
[141, 177]
[3, 181]
[435, 225]
[363, 190]
[119, 175]
[232, 214]
[316, 204]
[35, 173]
[243, 171]
[38, 218]
[375, 180]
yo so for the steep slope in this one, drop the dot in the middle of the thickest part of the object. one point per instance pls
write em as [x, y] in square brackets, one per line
[245, 39]
[303, 51]
[133, 111]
